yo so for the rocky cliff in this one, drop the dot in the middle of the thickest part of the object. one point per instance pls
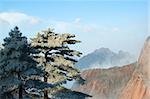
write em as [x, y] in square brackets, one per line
[139, 85]
[105, 83]
[127, 82]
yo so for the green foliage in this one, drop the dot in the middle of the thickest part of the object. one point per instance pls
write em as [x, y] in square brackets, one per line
[54, 54]
[31, 68]
[17, 65]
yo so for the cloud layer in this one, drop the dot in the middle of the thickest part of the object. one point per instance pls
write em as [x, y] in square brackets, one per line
[17, 18]
[9, 20]
[92, 35]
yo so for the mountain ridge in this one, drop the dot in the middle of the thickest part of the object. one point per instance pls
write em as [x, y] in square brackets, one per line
[105, 58]
[105, 83]
[127, 82]
[139, 85]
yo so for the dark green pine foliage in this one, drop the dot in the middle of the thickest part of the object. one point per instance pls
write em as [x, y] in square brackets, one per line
[18, 70]
[57, 58]
[64, 93]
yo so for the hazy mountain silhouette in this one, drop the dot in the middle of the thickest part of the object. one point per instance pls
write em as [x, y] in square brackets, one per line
[105, 58]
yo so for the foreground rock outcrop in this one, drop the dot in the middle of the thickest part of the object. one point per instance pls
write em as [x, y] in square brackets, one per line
[139, 85]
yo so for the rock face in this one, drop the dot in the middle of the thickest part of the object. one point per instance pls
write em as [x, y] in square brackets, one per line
[127, 82]
[105, 58]
[139, 85]
[105, 83]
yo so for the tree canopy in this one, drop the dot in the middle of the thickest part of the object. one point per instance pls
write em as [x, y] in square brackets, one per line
[37, 68]
[56, 57]
[18, 70]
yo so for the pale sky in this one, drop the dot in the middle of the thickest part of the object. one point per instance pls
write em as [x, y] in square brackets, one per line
[115, 24]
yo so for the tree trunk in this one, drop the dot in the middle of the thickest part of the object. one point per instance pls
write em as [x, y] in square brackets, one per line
[45, 77]
[20, 92]
[45, 91]
[20, 89]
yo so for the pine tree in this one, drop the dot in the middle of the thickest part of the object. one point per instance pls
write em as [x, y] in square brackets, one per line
[18, 70]
[56, 57]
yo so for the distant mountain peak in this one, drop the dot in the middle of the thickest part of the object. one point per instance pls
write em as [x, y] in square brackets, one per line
[102, 50]
[105, 58]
